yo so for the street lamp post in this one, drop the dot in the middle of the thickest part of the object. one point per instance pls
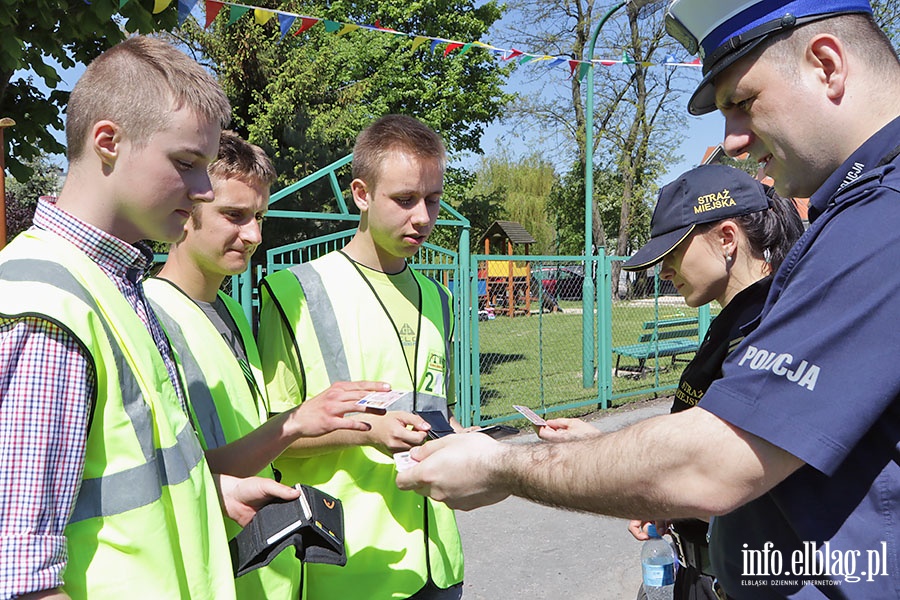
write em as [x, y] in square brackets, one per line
[588, 294]
[4, 123]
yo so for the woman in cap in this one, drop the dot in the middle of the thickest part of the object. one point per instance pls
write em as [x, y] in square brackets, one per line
[720, 235]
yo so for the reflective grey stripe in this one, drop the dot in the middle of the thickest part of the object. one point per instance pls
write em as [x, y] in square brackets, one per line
[321, 313]
[445, 312]
[138, 486]
[141, 485]
[200, 398]
[54, 274]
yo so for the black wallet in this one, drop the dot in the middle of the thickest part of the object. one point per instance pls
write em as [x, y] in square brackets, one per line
[440, 426]
[313, 524]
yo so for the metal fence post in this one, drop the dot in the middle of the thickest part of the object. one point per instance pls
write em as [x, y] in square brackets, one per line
[604, 330]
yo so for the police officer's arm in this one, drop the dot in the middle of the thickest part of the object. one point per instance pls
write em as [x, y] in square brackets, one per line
[659, 468]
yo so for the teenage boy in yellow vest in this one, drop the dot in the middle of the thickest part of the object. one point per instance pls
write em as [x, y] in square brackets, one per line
[214, 342]
[104, 491]
[363, 313]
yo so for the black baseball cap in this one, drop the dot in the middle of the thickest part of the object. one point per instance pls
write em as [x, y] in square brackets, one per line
[706, 194]
[724, 31]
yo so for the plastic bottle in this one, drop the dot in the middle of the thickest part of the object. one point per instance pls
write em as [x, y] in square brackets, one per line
[658, 566]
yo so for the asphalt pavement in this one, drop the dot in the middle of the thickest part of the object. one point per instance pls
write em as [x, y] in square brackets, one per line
[516, 549]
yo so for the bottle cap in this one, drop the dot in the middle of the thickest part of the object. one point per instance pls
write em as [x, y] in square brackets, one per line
[651, 531]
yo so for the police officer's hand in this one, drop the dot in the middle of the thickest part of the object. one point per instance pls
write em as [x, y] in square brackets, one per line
[638, 528]
[561, 430]
[396, 431]
[240, 498]
[325, 412]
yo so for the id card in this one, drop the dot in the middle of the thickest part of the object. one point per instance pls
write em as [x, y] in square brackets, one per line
[378, 402]
[532, 416]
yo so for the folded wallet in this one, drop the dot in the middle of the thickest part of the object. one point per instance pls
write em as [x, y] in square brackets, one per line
[313, 524]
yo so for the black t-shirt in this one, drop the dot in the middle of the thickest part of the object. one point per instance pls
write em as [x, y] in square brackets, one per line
[725, 333]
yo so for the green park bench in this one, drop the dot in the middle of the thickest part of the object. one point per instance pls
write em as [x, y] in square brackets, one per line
[665, 337]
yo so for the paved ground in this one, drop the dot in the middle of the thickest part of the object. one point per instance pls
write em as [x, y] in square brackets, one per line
[516, 549]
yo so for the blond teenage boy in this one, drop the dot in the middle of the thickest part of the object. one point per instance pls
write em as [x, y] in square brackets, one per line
[215, 344]
[363, 313]
[104, 491]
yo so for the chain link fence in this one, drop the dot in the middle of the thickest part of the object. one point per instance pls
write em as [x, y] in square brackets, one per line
[528, 340]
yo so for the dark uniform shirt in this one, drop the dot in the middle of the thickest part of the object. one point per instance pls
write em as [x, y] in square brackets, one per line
[726, 331]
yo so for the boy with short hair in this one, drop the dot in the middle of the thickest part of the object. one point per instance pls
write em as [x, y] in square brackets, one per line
[104, 491]
[363, 313]
[215, 344]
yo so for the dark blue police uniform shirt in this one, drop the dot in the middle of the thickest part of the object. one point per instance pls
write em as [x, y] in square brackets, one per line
[820, 378]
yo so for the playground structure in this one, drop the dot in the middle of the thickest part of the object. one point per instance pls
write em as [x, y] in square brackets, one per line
[506, 287]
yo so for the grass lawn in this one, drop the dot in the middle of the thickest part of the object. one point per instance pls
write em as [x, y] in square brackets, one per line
[537, 360]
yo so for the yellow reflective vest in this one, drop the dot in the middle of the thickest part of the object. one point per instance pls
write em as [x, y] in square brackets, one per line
[223, 407]
[323, 315]
[146, 522]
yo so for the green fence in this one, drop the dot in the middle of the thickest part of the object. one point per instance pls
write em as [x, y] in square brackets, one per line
[519, 319]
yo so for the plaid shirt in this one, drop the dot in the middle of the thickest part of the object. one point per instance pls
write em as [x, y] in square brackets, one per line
[46, 385]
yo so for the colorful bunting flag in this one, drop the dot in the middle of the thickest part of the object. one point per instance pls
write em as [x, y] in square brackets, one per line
[212, 10]
[305, 23]
[184, 9]
[160, 5]
[284, 23]
[236, 12]
[262, 16]
[286, 20]
[513, 53]
[451, 47]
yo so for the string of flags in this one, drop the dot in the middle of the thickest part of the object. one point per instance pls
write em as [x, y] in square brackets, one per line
[287, 20]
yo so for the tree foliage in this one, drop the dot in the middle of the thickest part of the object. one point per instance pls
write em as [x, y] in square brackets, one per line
[41, 35]
[22, 197]
[304, 98]
[523, 188]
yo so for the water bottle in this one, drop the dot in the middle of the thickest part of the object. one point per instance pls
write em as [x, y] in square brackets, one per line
[658, 566]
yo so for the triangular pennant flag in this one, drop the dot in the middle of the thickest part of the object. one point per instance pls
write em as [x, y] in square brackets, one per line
[435, 44]
[262, 15]
[696, 61]
[418, 41]
[305, 23]
[451, 47]
[212, 10]
[498, 51]
[348, 28]
[466, 48]
[627, 59]
[379, 27]
[670, 59]
[236, 12]
[608, 63]
[184, 9]
[331, 26]
[527, 58]
[573, 64]
[556, 61]
[583, 69]
[160, 5]
[513, 53]
[284, 23]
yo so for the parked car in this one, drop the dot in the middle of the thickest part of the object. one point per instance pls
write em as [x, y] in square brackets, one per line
[564, 282]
